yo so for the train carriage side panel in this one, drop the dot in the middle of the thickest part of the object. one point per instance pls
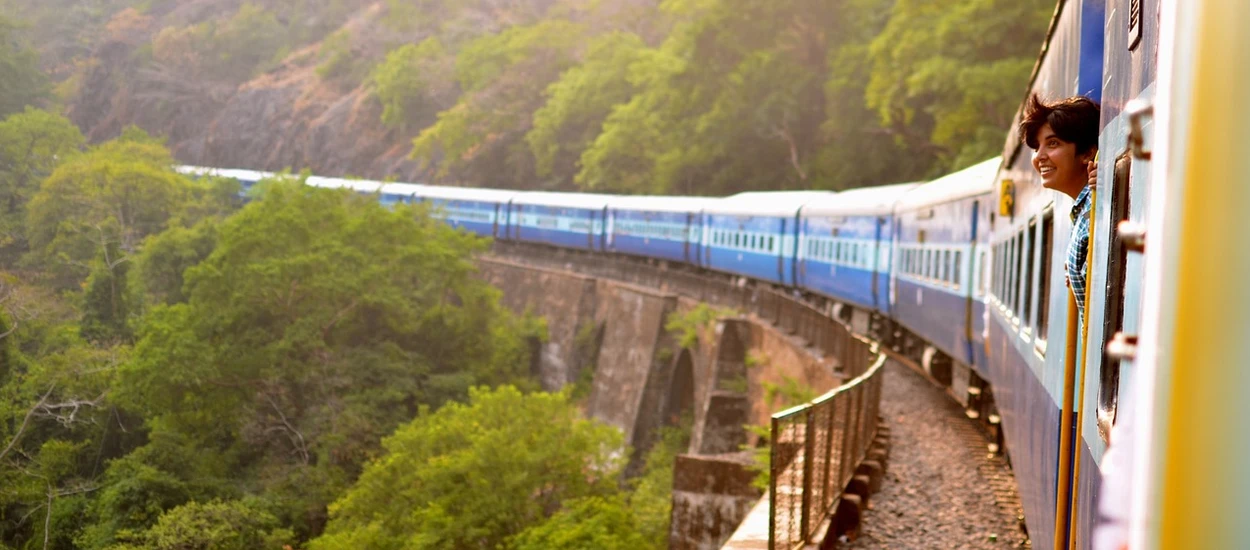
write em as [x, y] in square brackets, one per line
[755, 234]
[665, 228]
[846, 245]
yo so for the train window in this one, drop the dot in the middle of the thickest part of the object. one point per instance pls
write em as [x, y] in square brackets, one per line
[930, 265]
[1026, 307]
[994, 278]
[981, 267]
[1113, 319]
[946, 266]
[999, 255]
[955, 266]
[1013, 279]
[1043, 283]
[1005, 279]
[1017, 267]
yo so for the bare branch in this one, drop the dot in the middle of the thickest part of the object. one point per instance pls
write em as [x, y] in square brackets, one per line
[784, 133]
[47, 519]
[25, 421]
[298, 438]
[67, 412]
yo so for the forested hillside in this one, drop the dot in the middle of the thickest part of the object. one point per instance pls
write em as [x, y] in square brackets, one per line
[180, 369]
[660, 96]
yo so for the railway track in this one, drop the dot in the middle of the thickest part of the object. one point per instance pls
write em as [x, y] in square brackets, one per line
[943, 487]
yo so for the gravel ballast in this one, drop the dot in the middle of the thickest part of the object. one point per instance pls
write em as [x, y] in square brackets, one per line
[940, 486]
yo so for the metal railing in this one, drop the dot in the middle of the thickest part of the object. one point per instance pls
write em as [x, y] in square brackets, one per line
[816, 448]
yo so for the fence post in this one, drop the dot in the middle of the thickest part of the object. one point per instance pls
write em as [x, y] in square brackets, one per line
[809, 438]
[772, 482]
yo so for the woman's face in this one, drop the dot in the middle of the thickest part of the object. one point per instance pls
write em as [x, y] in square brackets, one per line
[1056, 160]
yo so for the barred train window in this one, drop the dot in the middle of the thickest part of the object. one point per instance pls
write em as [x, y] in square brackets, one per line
[1043, 285]
[1013, 276]
[1027, 305]
[955, 274]
[1113, 320]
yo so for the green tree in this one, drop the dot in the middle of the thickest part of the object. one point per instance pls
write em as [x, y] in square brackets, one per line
[166, 257]
[474, 475]
[107, 301]
[579, 102]
[948, 74]
[411, 84]
[319, 322]
[32, 144]
[215, 525]
[21, 82]
[593, 522]
[102, 204]
[54, 425]
[481, 138]
[731, 101]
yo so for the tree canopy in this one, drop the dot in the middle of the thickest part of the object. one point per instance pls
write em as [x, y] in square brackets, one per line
[520, 456]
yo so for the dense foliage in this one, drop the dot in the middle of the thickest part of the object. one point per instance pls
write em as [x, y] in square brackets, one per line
[181, 370]
[635, 96]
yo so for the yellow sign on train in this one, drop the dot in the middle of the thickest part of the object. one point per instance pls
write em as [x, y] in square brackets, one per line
[1007, 198]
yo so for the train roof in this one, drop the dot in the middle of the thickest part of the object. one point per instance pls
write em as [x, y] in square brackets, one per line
[405, 189]
[565, 200]
[766, 203]
[233, 173]
[863, 201]
[466, 193]
[654, 203]
[977, 179]
[359, 186]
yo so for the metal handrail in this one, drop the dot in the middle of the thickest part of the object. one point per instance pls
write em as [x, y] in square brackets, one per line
[815, 448]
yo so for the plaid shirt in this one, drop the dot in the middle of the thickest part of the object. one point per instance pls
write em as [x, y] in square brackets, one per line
[1078, 248]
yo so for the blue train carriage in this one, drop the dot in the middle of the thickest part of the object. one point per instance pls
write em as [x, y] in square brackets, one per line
[845, 248]
[936, 292]
[481, 211]
[570, 220]
[1027, 312]
[1115, 290]
[362, 187]
[755, 234]
[391, 194]
[246, 178]
[667, 228]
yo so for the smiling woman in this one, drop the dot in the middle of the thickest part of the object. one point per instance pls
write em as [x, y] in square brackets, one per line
[1064, 139]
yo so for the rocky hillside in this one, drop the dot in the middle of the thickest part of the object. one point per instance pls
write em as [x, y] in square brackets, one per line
[287, 116]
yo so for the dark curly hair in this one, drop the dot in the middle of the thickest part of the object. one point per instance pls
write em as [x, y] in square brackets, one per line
[1074, 120]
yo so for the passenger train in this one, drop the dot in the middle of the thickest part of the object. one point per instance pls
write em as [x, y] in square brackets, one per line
[965, 273]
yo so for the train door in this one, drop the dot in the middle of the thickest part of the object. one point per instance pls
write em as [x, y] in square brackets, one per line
[878, 266]
[780, 252]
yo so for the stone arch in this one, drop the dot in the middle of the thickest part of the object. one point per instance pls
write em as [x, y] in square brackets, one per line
[680, 400]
